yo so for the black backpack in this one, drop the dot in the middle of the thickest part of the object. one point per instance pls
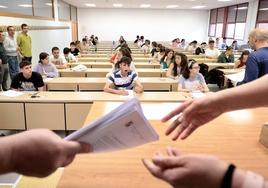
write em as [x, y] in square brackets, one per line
[215, 76]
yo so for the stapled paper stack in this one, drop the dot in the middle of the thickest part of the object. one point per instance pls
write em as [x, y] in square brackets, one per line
[124, 127]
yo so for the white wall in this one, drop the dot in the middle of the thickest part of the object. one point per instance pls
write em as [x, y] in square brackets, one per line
[42, 40]
[159, 25]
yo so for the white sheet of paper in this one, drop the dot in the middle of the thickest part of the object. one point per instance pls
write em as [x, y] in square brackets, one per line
[124, 127]
[237, 77]
[10, 179]
[197, 94]
[12, 93]
[129, 96]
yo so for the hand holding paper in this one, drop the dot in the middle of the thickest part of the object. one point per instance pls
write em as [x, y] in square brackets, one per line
[124, 127]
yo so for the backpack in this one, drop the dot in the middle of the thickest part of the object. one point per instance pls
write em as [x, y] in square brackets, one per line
[215, 76]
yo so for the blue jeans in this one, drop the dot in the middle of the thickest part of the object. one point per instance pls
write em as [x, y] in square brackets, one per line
[3, 77]
[13, 65]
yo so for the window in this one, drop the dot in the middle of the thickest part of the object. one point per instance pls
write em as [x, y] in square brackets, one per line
[23, 7]
[262, 18]
[230, 21]
[64, 11]
[43, 8]
[73, 14]
[213, 21]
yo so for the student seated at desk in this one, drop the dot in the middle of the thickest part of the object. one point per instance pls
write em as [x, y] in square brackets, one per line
[191, 79]
[122, 52]
[160, 54]
[123, 79]
[69, 57]
[212, 52]
[146, 47]
[75, 51]
[241, 62]
[154, 48]
[45, 68]
[201, 49]
[227, 56]
[177, 66]
[167, 59]
[27, 80]
[57, 59]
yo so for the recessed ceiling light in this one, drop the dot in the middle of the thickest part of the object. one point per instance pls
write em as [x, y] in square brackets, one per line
[145, 5]
[199, 7]
[2, 6]
[25, 5]
[49, 4]
[172, 6]
[118, 5]
[90, 5]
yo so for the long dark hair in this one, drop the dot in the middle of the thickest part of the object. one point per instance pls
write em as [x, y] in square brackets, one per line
[166, 53]
[125, 52]
[186, 71]
[183, 64]
[245, 52]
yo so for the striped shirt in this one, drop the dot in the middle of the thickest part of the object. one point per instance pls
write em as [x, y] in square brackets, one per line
[121, 82]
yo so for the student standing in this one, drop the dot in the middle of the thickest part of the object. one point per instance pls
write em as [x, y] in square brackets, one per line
[3, 64]
[12, 52]
[25, 43]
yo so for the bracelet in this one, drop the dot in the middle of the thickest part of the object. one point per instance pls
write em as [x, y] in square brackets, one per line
[227, 178]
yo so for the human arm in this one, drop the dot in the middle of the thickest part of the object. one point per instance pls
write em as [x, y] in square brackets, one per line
[196, 113]
[191, 170]
[169, 71]
[108, 88]
[53, 73]
[138, 88]
[37, 152]
[237, 63]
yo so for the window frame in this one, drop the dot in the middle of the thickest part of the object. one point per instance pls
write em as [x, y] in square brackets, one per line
[225, 21]
[257, 21]
[19, 15]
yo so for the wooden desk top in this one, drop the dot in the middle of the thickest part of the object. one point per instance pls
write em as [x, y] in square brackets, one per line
[78, 80]
[85, 97]
[233, 137]
[106, 70]
[231, 71]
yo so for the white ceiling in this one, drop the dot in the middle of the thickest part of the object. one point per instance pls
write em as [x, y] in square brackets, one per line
[156, 4]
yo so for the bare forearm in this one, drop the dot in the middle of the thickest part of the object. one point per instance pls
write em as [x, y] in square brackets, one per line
[253, 94]
[5, 155]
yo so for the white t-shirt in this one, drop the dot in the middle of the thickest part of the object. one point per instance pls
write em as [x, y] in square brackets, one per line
[192, 84]
[212, 53]
[57, 61]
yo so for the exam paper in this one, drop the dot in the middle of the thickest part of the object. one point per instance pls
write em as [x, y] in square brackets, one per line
[9, 179]
[12, 93]
[124, 127]
[197, 94]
